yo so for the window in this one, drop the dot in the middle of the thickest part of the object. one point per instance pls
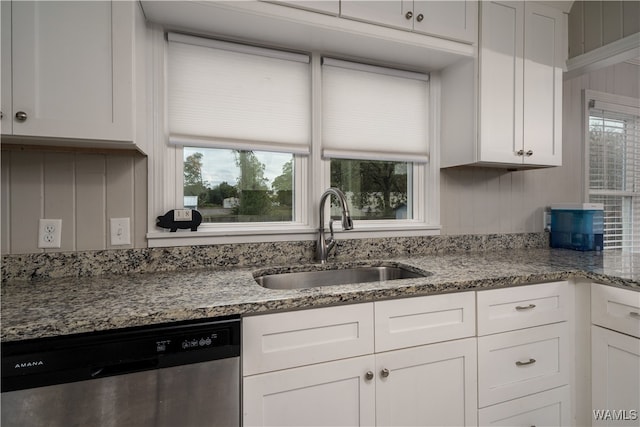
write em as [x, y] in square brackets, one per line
[256, 135]
[375, 134]
[241, 115]
[614, 167]
[239, 186]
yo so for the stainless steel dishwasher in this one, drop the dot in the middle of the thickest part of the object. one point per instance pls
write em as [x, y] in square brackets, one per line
[184, 374]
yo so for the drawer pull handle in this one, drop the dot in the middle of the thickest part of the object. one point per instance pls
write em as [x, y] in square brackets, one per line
[635, 314]
[529, 362]
[525, 307]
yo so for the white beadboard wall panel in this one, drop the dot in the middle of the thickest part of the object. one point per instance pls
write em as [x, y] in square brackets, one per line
[5, 217]
[59, 197]
[595, 23]
[592, 25]
[472, 203]
[25, 201]
[611, 21]
[630, 17]
[120, 188]
[83, 189]
[139, 220]
[91, 203]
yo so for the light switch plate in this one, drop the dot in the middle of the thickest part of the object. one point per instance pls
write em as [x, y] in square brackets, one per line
[120, 232]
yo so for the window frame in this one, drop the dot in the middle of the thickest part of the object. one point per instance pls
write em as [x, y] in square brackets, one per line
[621, 104]
[312, 177]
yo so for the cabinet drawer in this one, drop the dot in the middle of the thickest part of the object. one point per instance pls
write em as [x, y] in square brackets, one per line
[520, 307]
[549, 408]
[518, 363]
[423, 320]
[615, 308]
[284, 340]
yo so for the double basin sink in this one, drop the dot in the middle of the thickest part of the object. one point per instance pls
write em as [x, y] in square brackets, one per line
[311, 277]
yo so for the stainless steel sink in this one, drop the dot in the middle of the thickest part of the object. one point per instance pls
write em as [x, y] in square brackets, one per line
[341, 276]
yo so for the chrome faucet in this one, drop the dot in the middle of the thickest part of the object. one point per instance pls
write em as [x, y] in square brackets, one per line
[324, 246]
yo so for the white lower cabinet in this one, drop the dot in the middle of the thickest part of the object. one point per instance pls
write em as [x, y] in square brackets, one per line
[432, 385]
[615, 378]
[326, 394]
[518, 363]
[292, 377]
[550, 408]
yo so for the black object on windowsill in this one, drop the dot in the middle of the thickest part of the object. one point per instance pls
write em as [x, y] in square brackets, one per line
[168, 221]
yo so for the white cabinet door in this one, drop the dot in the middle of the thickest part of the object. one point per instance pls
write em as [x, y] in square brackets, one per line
[518, 363]
[433, 385]
[501, 75]
[296, 338]
[616, 308]
[327, 394]
[5, 61]
[615, 378]
[520, 72]
[550, 408]
[72, 68]
[451, 19]
[508, 309]
[417, 321]
[544, 30]
[393, 13]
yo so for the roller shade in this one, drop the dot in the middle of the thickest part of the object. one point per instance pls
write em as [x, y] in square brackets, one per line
[373, 113]
[228, 95]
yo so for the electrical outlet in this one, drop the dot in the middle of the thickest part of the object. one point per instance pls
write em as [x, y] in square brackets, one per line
[182, 215]
[49, 233]
[120, 231]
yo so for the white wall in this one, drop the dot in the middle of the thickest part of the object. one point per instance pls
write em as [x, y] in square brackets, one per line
[82, 189]
[85, 190]
[485, 200]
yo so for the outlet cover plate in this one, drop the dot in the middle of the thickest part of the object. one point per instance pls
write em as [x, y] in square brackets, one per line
[120, 232]
[49, 233]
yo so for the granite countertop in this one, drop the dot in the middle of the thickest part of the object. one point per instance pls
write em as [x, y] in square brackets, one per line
[78, 305]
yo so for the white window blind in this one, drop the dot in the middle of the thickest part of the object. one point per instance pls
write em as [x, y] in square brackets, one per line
[614, 171]
[228, 95]
[374, 113]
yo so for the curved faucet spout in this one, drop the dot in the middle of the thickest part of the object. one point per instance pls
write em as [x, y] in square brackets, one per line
[324, 246]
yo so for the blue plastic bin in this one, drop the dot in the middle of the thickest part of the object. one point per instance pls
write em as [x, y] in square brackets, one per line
[579, 227]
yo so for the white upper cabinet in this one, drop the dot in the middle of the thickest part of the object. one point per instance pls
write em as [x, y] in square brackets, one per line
[519, 91]
[71, 70]
[449, 19]
[5, 51]
[520, 84]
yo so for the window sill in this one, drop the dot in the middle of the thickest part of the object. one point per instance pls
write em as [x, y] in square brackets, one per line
[157, 239]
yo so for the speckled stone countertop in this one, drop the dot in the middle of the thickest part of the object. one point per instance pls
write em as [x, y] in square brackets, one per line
[84, 304]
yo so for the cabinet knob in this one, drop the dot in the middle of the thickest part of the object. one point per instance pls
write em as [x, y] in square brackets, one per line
[21, 116]
[520, 153]
[1, 115]
[409, 15]
[634, 314]
[368, 376]
[528, 362]
[384, 373]
[420, 17]
[529, 153]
